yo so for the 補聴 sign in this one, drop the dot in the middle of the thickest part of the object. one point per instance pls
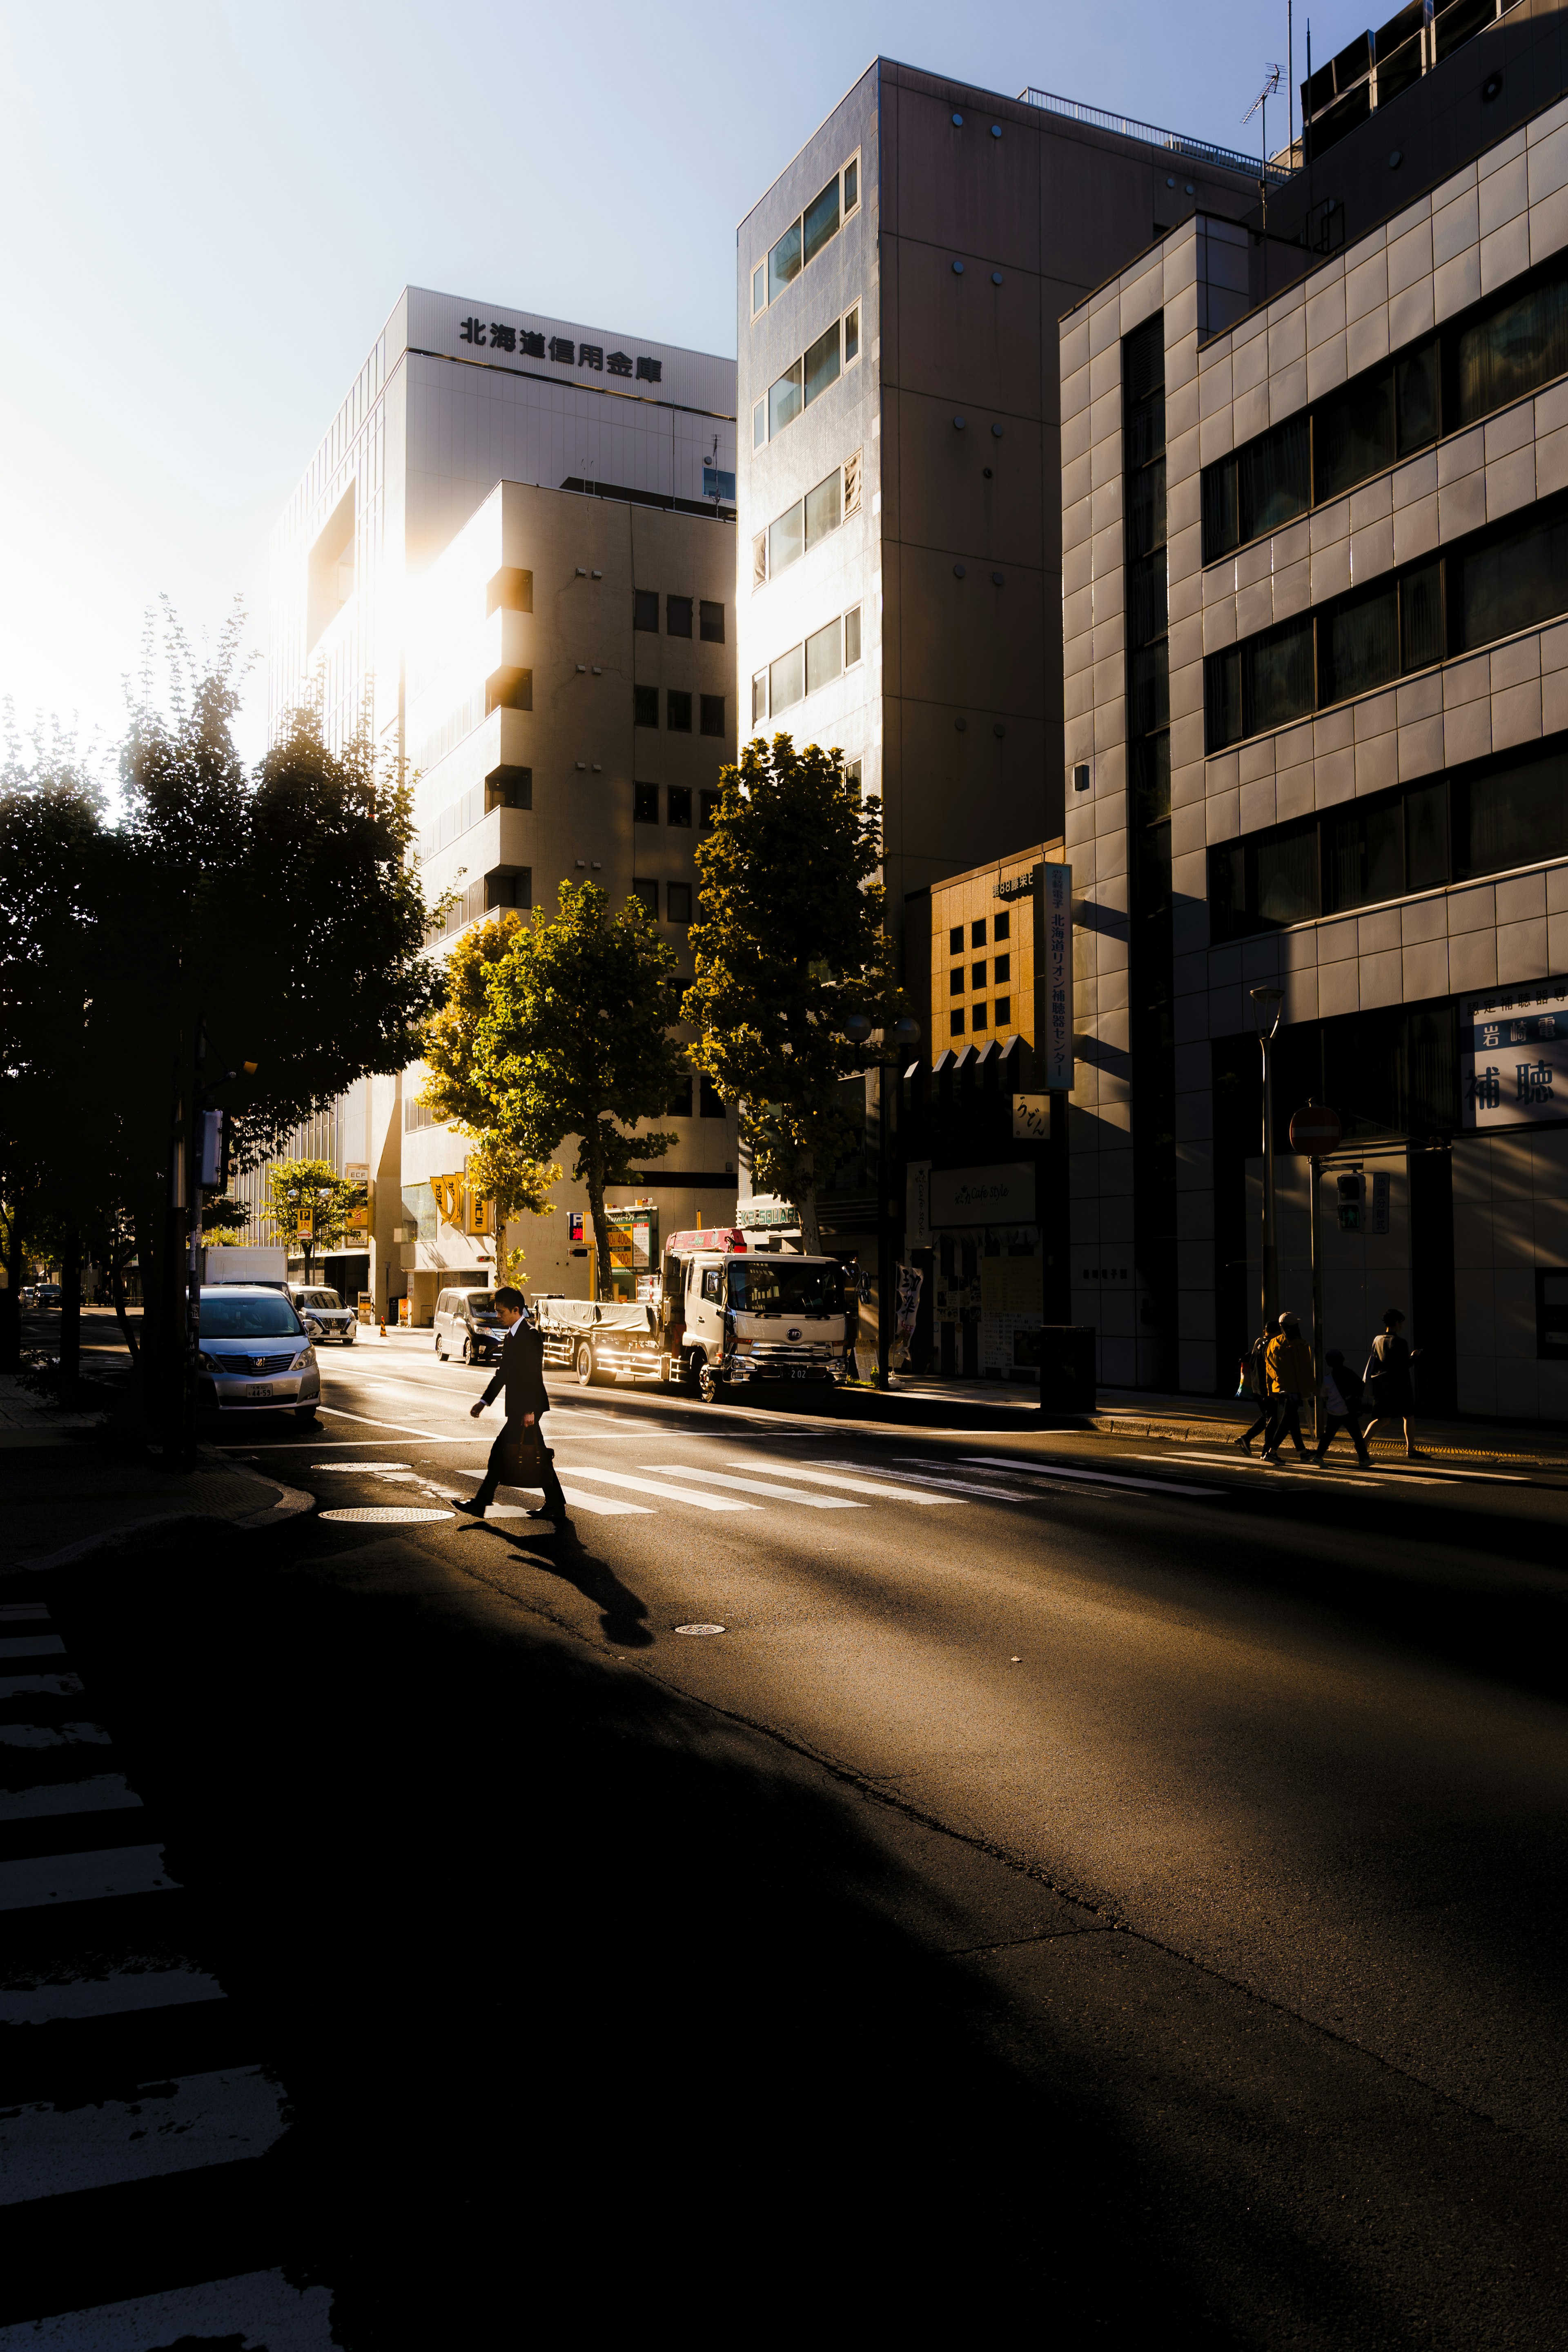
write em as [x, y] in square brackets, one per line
[982, 1196]
[1056, 1039]
[1513, 1055]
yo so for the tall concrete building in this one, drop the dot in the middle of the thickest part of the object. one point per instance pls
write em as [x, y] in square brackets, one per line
[511, 559]
[1316, 654]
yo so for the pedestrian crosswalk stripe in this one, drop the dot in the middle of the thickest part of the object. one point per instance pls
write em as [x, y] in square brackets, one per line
[260, 2308]
[754, 1487]
[32, 1645]
[917, 1478]
[24, 1612]
[61, 1735]
[659, 1486]
[1090, 1478]
[39, 1686]
[49, 2151]
[106, 1792]
[603, 1506]
[851, 1485]
[46, 1879]
[118, 1994]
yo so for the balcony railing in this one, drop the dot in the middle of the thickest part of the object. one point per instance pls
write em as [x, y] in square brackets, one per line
[1174, 142]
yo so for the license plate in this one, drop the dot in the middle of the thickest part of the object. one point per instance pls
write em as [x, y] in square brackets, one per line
[260, 1392]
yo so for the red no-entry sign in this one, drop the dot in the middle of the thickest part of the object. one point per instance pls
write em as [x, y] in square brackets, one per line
[1315, 1130]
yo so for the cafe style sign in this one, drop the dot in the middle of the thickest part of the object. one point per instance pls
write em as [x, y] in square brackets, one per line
[1003, 1195]
[1513, 1055]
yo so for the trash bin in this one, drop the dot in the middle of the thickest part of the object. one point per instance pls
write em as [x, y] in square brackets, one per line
[1066, 1368]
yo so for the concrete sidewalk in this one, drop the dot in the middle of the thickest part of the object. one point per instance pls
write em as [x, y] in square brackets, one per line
[1128, 1412]
[66, 1492]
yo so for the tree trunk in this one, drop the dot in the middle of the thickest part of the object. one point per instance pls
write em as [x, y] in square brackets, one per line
[70, 1314]
[122, 1311]
[593, 1172]
[11, 1296]
[805, 1208]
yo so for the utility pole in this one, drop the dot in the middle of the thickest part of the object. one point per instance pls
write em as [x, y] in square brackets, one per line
[900, 1039]
[1266, 1003]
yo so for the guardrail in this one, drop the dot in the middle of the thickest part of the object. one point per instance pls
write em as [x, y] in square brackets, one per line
[1174, 142]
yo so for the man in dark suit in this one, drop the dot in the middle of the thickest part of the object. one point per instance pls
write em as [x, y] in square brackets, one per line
[521, 1372]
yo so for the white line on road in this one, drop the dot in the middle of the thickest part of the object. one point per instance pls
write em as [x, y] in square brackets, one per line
[39, 1686]
[602, 1506]
[262, 2308]
[853, 1486]
[752, 1486]
[656, 1486]
[49, 1878]
[106, 1792]
[117, 1994]
[948, 1485]
[1092, 1477]
[61, 1735]
[48, 2151]
[24, 1612]
[337, 1413]
[33, 1645]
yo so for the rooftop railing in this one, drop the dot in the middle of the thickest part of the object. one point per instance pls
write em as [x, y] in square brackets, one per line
[1199, 151]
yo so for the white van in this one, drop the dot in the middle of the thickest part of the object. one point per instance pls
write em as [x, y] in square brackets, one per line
[468, 1326]
[730, 1313]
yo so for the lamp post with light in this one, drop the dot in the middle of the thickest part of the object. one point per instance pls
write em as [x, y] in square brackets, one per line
[1266, 1003]
[900, 1039]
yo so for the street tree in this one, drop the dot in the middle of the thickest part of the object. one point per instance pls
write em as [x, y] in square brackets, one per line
[308, 1199]
[498, 1170]
[575, 1043]
[790, 944]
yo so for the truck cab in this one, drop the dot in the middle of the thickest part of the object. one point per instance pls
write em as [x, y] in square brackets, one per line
[730, 1313]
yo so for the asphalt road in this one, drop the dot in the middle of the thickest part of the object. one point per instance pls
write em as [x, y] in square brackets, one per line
[1108, 1884]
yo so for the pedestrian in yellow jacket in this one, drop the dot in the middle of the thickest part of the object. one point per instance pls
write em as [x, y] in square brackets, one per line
[1287, 1362]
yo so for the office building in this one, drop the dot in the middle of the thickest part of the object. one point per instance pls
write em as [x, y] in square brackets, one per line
[511, 559]
[1316, 656]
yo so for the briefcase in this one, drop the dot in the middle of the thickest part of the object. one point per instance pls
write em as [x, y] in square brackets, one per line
[523, 1457]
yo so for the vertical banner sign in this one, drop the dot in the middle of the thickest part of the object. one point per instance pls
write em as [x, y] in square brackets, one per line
[1056, 1042]
[1513, 1055]
[917, 1205]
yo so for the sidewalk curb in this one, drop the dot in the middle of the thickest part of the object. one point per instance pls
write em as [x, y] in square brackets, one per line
[288, 1504]
[1135, 1425]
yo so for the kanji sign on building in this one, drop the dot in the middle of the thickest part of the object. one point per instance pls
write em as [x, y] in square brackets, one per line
[523, 343]
[1513, 1055]
[1056, 1040]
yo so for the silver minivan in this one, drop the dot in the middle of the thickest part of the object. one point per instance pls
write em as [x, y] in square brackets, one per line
[467, 1325]
[323, 1314]
[256, 1354]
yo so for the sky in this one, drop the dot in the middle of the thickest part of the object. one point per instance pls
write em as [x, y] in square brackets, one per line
[210, 211]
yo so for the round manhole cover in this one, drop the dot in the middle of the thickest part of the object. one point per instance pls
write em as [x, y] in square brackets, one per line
[700, 1628]
[401, 1515]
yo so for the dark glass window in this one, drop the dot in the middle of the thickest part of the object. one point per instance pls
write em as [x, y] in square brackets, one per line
[1146, 509]
[1358, 643]
[1004, 1012]
[1149, 688]
[1222, 719]
[678, 710]
[1513, 579]
[712, 714]
[710, 1102]
[955, 981]
[679, 1105]
[977, 975]
[1001, 970]
[821, 220]
[645, 804]
[1422, 640]
[955, 939]
[1416, 382]
[712, 622]
[679, 800]
[1522, 344]
[1353, 434]
[710, 807]
[822, 363]
[979, 1017]
[678, 617]
[645, 705]
[1258, 488]
[1146, 615]
[1002, 927]
[1426, 835]
[977, 934]
[1511, 815]
[645, 608]
[1286, 891]
[1364, 855]
[677, 900]
[1278, 677]
[648, 894]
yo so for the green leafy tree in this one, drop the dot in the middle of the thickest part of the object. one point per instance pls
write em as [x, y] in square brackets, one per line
[574, 1042]
[296, 1189]
[791, 943]
[498, 1170]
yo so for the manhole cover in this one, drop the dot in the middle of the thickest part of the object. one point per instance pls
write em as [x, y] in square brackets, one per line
[700, 1628]
[401, 1515]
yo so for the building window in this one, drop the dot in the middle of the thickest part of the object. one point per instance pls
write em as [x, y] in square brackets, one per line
[709, 806]
[759, 562]
[786, 680]
[645, 705]
[806, 237]
[1001, 969]
[648, 894]
[678, 900]
[977, 1016]
[679, 799]
[759, 697]
[679, 1105]
[824, 657]
[955, 1022]
[710, 1103]
[807, 378]
[977, 975]
[678, 617]
[645, 609]
[786, 540]
[784, 403]
[822, 363]
[1001, 928]
[851, 186]
[711, 710]
[645, 804]
[758, 423]
[1258, 488]
[955, 981]
[977, 934]
[852, 470]
[852, 637]
[678, 710]
[710, 622]
[852, 336]
[1004, 1012]
[955, 939]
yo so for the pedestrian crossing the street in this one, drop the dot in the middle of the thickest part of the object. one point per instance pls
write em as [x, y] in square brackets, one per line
[134, 2108]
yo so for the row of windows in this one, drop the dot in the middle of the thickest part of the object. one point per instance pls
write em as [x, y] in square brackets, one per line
[805, 238]
[1489, 818]
[677, 801]
[825, 656]
[1508, 577]
[677, 709]
[1001, 928]
[805, 525]
[1504, 348]
[677, 900]
[678, 612]
[979, 1016]
[502, 788]
[488, 895]
[957, 985]
[710, 1103]
[807, 378]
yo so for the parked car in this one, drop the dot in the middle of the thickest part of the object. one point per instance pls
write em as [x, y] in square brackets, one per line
[29, 1294]
[467, 1325]
[323, 1314]
[256, 1354]
[48, 1293]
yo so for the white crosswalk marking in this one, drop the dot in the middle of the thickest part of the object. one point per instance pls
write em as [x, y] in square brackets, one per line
[916, 1478]
[32, 1645]
[50, 1878]
[106, 1792]
[754, 1487]
[260, 2309]
[123, 1990]
[64, 1735]
[24, 1612]
[656, 1486]
[851, 1485]
[39, 1686]
[48, 2151]
[603, 1506]
[1089, 1477]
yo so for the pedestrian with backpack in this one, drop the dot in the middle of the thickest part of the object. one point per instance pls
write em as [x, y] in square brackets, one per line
[1252, 1379]
[1289, 1361]
[1342, 1393]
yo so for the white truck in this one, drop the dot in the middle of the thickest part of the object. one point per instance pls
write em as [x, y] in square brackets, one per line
[596, 1338]
[730, 1313]
[233, 1262]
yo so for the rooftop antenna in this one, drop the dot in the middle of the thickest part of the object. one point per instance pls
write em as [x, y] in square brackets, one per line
[1290, 77]
[1261, 105]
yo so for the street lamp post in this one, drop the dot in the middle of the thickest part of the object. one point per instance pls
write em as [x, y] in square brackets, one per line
[898, 1041]
[1266, 1003]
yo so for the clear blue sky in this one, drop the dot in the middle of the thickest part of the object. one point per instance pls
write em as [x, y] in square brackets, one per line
[209, 211]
